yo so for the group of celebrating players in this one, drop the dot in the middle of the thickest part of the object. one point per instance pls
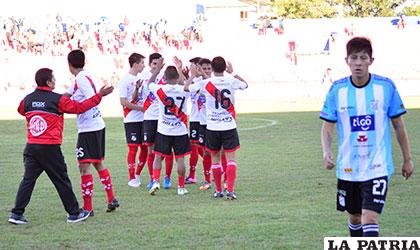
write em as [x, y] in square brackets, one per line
[156, 121]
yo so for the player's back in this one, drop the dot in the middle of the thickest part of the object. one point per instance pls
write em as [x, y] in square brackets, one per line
[172, 109]
[220, 101]
[82, 89]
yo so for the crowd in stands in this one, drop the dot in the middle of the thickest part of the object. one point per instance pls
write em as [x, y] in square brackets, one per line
[59, 36]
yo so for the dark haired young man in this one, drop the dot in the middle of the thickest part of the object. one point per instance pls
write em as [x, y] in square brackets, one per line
[90, 148]
[172, 130]
[44, 111]
[194, 120]
[133, 118]
[363, 105]
[221, 131]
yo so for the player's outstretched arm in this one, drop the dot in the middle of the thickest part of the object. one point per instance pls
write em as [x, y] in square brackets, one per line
[229, 69]
[66, 105]
[326, 142]
[178, 65]
[402, 137]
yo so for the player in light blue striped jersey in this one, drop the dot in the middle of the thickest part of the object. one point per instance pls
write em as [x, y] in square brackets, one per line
[362, 105]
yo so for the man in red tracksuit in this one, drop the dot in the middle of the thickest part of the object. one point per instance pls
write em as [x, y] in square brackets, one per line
[44, 111]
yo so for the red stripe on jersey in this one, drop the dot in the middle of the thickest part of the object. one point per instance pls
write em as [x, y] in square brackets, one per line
[75, 87]
[174, 109]
[147, 104]
[212, 89]
[91, 83]
[127, 110]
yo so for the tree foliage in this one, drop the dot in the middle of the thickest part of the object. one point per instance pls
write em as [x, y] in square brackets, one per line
[304, 8]
[332, 8]
[413, 10]
[371, 8]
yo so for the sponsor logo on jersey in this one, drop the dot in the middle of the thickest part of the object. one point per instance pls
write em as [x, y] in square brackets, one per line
[362, 123]
[362, 138]
[38, 104]
[37, 125]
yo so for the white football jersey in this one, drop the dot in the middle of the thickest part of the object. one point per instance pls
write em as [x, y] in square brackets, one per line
[151, 106]
[220, 99]
[195, 113]
[82, 89]
[173, 119]
[127, 86]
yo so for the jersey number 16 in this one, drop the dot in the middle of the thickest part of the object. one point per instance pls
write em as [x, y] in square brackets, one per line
[221, 99]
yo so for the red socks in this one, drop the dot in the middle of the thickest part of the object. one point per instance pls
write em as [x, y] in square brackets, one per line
[181, 181]
[224, 164]
[193, 160]
[200, 151]
[231, 175]
[156, 174]
[217, 175]
[131, 161]
[150, 160]
[107, 183]
[169, 163]
[87, 191]
[207, 167]
[142, 159]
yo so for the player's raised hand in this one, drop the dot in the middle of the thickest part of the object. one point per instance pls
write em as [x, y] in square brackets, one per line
[194, 70]
[186, 71]
[139, 83]
[177, 62]
[106, 90]
[229, 67]
[328, 161]
[407, 169]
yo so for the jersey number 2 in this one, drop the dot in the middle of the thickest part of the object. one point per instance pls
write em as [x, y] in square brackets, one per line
[171, 104]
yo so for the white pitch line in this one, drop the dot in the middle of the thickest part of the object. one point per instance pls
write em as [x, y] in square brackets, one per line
[272, 123]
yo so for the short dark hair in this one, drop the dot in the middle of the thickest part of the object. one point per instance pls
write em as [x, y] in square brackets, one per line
[359, 44]
[135, 58]
[171, 73]
[76, 58]
[204, 61]
[195, 60]
[154, 56]
[218, 64]
[42, 76]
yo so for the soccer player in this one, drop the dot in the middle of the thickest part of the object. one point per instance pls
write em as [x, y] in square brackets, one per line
[194, 130]
[172, 131]
[151, 115]
[362, 105]
[44, 111]
[90, 148]
[204, 67]
[221, 125]
[133, 118]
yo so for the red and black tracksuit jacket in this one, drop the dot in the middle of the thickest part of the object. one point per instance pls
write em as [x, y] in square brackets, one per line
[44, 111]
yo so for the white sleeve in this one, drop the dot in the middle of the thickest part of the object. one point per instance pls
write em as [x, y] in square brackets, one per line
[123, 89]
[237, 84]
